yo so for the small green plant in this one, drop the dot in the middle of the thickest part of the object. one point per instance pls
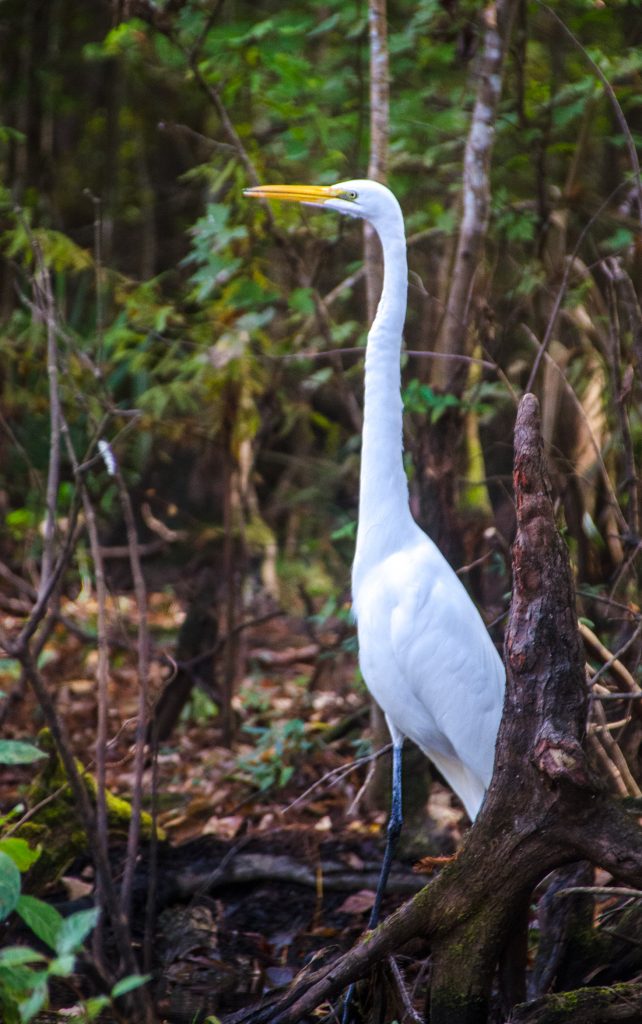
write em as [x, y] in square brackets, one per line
[420, 398]
[277, 747]
[200, 708]
[25, 973]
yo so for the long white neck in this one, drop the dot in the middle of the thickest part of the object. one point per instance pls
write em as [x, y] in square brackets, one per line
[384, 514]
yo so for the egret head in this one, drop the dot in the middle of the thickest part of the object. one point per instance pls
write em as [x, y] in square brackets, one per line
[356, 198]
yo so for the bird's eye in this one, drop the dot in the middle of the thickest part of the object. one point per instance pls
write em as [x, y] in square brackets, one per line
[352, 194]
[349, 194]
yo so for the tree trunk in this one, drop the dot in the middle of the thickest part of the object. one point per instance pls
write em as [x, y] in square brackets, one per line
[379, 133]
[442, 443]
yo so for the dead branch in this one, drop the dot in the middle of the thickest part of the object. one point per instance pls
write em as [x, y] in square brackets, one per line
[254, 867]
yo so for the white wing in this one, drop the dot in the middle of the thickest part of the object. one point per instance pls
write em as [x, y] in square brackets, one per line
[428, 659]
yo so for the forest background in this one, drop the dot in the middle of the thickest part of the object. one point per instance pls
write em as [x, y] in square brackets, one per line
[181, 370]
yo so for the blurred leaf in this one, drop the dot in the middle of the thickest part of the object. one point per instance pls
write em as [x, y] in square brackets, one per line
[75, 929]
[43, 919]
[22, 855]
[9, 885]
[128, 984]
[19, 752]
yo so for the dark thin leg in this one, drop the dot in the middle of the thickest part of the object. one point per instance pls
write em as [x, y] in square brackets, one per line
[393, 832]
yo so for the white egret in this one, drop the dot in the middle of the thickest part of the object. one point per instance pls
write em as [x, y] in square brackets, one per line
[424, 650]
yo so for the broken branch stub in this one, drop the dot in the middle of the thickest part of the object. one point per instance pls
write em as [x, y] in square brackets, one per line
[546, 689]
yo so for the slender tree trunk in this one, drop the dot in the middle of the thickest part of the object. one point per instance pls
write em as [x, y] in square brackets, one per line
[379, 134]
[454, 336]
[438, 497]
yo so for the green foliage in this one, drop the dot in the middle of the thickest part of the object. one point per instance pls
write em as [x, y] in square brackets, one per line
[187, 323]
[422, 399]
[277, 748]
[200, 707]
[22, 855]
[9, 884]
[18, 752]
[212, 238]
[25, 973]
[192, 331]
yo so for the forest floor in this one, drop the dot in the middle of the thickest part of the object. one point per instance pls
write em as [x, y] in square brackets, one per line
[271, 847]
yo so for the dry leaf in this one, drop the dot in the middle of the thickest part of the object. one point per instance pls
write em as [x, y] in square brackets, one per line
[359, 903]
[224, 828]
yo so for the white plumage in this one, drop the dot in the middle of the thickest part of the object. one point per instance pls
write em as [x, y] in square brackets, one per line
[424, 651]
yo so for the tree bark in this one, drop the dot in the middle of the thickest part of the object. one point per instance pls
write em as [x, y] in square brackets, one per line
[450, 374]
[543, 810]
[443, 442]
[379, 133]
[621, 1003]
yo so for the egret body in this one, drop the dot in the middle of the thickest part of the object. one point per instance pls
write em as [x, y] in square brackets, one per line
[424, 650]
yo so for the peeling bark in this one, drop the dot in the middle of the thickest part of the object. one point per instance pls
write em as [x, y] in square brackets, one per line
[453, 337]
[439, 458]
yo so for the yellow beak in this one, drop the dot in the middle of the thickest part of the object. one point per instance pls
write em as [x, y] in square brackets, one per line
[292, 193]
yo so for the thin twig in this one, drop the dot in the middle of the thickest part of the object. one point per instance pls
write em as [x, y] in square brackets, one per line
[620, 395]
[606, 480]
[102, 670]
[618, 654]
[336, 775]
[45, 306]
[599, 890]
[614, 752]
[360, 351]
[561, 291]
[140, 592]
[409, 1010]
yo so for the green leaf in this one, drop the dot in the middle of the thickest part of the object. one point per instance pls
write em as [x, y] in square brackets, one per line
[13, 956]
[94, 1006]
[18, 979]
[75, 929]
[9, 885]
[17, 752]
[44, 921]
[62, 966]
[302, 300]
[34, 1002]
[20, 852]
[622, 238]
[128, 984]
[346, 532]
